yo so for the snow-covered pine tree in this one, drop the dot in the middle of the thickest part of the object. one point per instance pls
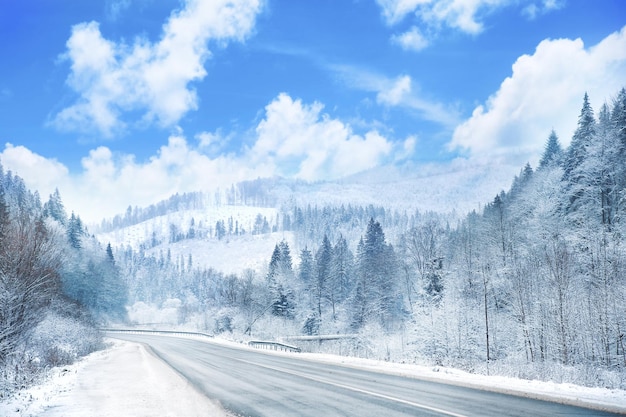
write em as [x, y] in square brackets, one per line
[553, 152]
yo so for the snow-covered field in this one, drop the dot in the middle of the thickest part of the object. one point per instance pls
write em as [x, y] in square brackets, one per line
[137, 234]
[124, 380]
[127, 380]
[231, 255]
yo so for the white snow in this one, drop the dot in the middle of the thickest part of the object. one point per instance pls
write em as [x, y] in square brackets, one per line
[595, 398]
[231, 255]
[611, 400]
[139, 233]
[127, 379]
[124, 380]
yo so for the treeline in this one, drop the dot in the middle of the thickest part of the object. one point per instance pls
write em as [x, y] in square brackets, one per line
[531, 286]
[56, 284]
[266, 192]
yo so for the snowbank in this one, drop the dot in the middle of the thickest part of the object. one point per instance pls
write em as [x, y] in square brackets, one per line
[128, 380]
[124, 380]
[611, 400]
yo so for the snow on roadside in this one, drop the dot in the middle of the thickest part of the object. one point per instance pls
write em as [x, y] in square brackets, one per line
[126, 379]
[611, 400]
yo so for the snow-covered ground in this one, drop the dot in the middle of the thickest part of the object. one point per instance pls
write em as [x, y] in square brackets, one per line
[124, 380]
[595, 398]
[127, 379]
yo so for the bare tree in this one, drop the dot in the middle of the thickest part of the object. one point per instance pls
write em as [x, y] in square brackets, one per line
[29, 261]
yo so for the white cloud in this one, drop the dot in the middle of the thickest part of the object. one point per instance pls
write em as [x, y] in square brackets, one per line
[400, 92]
[462, 15]
[35, 169]
[457, 14]
[412, 40]
[544, 91]
[397, 93]
[298, 141]
[151, 78]
[533, 10]
[115, 8]
[395, 11]
[293, 139]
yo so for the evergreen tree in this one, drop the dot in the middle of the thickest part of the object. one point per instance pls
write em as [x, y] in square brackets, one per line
[376, 285]
[618, 125]
[109, 252]
[342, 266]
[553, 152]
[323, 261]
[305, 271]
[75, 231]
[581, 140]
[285, 266]
[281, 296]
[220, 229]
[54, 208]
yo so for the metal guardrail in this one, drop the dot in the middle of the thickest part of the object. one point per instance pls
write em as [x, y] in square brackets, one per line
[147, 331]
[322, 337]
[268, 345]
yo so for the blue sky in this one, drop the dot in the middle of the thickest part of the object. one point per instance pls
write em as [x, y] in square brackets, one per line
[122, 102]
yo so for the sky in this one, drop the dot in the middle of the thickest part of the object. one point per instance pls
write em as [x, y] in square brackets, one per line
[126, 102]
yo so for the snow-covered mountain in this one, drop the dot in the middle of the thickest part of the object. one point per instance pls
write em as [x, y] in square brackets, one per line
[252, 212]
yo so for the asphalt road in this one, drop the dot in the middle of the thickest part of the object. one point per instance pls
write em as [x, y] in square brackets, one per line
[254, 383]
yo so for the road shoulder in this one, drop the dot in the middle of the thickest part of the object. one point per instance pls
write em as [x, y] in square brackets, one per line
[125, 379]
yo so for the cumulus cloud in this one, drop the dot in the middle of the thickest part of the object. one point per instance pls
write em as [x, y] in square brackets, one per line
[46, 173]
[294, 139]
[297, 140]
[412, 40]
[544, 91]
[465, 16]
[457, 14]
[153, 79]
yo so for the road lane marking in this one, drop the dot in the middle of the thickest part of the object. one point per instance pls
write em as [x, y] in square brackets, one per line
[359, 390]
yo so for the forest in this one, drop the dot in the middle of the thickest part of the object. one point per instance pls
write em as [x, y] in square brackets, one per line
[532, 285]
[57, 284]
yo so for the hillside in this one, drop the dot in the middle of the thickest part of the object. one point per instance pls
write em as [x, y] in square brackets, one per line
[186, 224]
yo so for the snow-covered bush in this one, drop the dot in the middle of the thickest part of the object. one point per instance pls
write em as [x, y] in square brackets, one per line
[60, 340]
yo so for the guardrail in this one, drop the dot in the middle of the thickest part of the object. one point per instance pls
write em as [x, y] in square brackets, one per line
[262, 344]
[322, 337]
[147, 331]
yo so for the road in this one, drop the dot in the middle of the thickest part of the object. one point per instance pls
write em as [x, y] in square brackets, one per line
[253, 383]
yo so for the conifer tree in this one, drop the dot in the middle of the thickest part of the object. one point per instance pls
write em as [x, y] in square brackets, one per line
[581, 140]
[553, 152]
[75, 231]
[54, 208]
[323, 261]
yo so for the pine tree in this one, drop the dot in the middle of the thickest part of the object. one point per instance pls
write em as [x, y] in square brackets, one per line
[376, 286]
[305, 271]
[75, 231]
[553, 152]
[343, 260]
[109, 252]
[618, 125]
[577, 153]
[581, 140]
[54, 208]
[323, 260]
[282, 297]
[285, 266]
